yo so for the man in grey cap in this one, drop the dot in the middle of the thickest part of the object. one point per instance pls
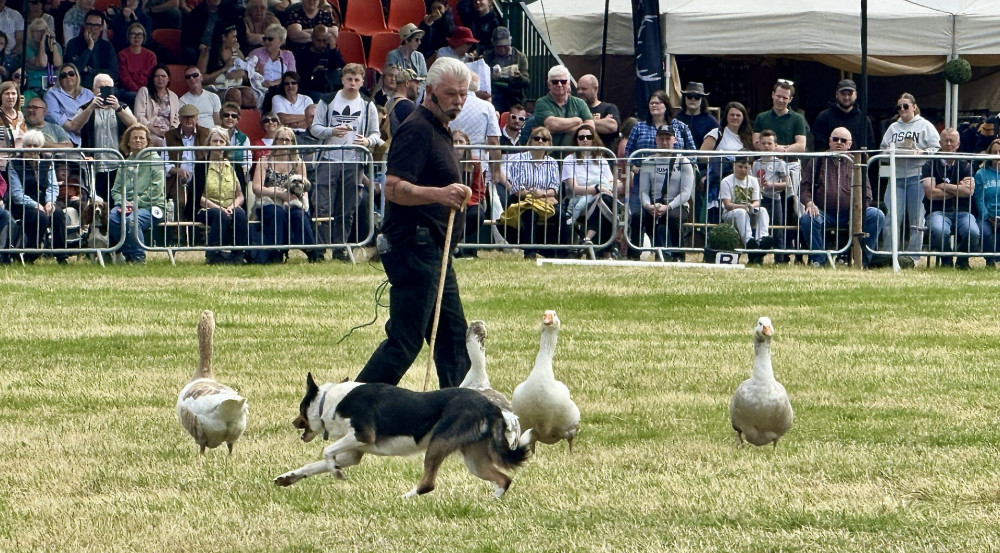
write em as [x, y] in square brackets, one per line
[695, 114]
[843, 113]
[510, 71]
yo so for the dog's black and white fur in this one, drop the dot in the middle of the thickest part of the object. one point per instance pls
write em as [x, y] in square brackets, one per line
[382, 419]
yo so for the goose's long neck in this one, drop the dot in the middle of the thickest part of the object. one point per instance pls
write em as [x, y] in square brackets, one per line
[204, 369]
[546, 351]
[477, 372]
[762, 360]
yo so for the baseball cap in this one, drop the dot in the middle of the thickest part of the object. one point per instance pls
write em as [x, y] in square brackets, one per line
[665, 129]
[501, 36]
[845, 84]
[408, 75]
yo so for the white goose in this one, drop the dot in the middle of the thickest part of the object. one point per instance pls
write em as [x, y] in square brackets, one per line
[760, 410]
[543, 403]
[477, 379]
[211, 412]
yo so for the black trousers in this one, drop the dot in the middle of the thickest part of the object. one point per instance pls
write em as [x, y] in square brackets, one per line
[413, 275]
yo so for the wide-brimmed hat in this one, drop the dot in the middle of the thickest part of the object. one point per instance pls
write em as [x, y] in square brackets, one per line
[462, 35]
[695, 88]
[408, 31]
[188, 110]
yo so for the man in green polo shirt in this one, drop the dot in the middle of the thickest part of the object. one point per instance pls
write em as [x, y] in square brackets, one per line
[560, 112]
[788, 126]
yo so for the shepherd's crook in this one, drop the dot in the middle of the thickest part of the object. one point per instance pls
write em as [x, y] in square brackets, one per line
[440, 291]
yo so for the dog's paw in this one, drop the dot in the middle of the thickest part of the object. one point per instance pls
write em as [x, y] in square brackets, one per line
[411, 493]
[498, 491]
[287, 479]
[339, 474]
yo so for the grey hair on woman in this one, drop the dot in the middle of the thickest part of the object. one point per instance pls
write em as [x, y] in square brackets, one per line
[33, 139]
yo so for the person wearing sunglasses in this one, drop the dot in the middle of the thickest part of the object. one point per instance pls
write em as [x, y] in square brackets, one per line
[825, 194]
[588, 180]
[65, 100]
[558, 111]
[511, 132]
[909, 134]
[207, 103]
[295, 110]
[273, 60]
[534, 174]
[695, 113]
[230, 116]
[91, 52]
[407, 56]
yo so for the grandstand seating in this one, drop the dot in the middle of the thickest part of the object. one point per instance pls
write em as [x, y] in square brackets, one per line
[169, 39]
[351, 47]
[402, 12]
[250, 124]
[382, 44]
[177, 81]
[365, 17]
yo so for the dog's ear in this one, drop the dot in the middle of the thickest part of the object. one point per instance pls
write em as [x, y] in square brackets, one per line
[310, 383]
[348, 379]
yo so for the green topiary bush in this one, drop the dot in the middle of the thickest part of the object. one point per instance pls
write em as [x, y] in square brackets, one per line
[958, 71]
[724, 237]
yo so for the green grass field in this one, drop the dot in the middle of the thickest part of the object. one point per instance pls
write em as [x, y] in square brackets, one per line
[893, 379]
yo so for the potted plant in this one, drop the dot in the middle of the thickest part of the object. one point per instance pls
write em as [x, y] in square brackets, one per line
[722, 237]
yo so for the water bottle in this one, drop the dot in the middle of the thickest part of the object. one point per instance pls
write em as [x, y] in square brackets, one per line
[170, 211]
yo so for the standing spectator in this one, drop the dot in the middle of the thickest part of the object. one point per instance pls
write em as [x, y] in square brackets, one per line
[424, 182]
[407, 56]
[346, 119]
[272, 59]
[180, 165]
[91, 53]
[385, 89]
[666, 183]
[219, 189]
[437, 25]
[101, 123]
[295, 110]
[826, 195]
[33, 190]
[202, 27]
[509, 70]
[987, 199]
[695, 114]
[135, 63]
[156, 106]
[910, 134]
[137, 193]
[55, 136]
[788, 126]
[302, 18]
[472, 176]
[739, 194]
[72, 22]
[12, 126]
[256, 19]
[460, 45]
[41, 55]
[843, 113]
[511, 134]
[480, 16]
[948, 186]
[207, 103]
[734, 134]
[12, 25]
[120, 19]
[772, 173]
[320, 64]
[559, 112]
[404, 101]
[229, 73]
[606, 115]
[478, 120]
[65, 100]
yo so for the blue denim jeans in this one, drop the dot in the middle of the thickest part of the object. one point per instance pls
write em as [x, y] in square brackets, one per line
[132, 248]
[990, 240]
[813, 228]
[941, 225]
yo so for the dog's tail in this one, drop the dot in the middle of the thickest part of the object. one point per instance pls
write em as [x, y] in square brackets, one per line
[500, 445]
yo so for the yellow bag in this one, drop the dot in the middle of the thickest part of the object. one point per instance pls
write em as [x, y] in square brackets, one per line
[511, 216]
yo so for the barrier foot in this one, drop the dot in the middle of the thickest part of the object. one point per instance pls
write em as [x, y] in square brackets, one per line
[170, 254]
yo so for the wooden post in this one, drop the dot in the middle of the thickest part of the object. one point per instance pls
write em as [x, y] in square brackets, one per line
[857, 212]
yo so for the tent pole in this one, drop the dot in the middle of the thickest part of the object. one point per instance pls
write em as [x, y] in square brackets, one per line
[864, 70]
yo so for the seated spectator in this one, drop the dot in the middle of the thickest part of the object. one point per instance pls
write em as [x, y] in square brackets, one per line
[284, 216]
[180, 166]
[156, 106]
[166, 14]
[734, 134]
[772, 173]
[55, 136]
[135, 63]
[826, 194]
[256, 19]
[320, 65]
[92, 53]
[509, 68]
[987, 199]
[407, 56]
[590, 187]
[33, 191]
[270, 124]
[230, 116]
[460, 46]
[120, 21]
[385, 89]
[137, 193]
[101, 123]
[948, 185]
[437, 25]
[73, 19]
[472, 176]
[207, 103]
[272, 60]
[228, 72]
[480, 16]
[219, 189]
[740, 197]
[293, 109]
[12, 126]
[696, 115]
[9, 63]
[36, 11]
[404, 101]
[42, 53]
[65, 100]
[666, 183]
[303, 17]
[534, 175]
[5, 225]
[202, 27]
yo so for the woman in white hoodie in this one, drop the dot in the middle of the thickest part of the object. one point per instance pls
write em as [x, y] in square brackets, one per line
[911, 134]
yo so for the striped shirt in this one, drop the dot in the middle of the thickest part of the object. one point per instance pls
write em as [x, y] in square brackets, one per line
[525, 173]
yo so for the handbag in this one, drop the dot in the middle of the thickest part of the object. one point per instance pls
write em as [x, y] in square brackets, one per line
[511, 216]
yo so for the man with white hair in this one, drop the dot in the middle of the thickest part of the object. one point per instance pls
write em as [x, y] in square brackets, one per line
[558, 111]
[423, 185]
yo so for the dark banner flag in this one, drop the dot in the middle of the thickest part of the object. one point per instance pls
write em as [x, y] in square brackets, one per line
[648, 53]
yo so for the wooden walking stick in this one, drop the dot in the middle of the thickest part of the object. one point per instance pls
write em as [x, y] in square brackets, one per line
[440, 290]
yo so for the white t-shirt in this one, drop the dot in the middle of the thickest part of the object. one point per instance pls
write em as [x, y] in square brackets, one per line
[587, 172]
[739, 191]
[208, 105]
[772, 170]
[280, 104]
[730, 140]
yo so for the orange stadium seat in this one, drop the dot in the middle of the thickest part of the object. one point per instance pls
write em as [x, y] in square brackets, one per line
[177, 82]
[169, 39]
[250, 124]
[364, 17]
[382, 44]
[350, 46]
[402, 12]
